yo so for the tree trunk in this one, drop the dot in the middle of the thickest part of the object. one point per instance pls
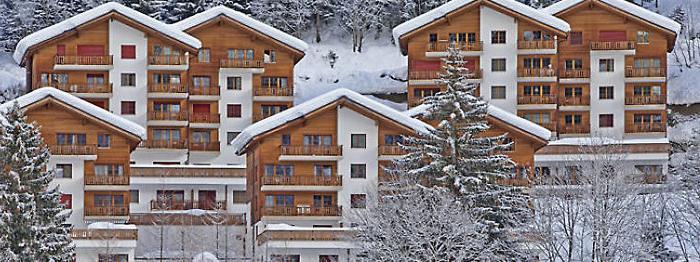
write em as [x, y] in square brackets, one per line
[317, 25]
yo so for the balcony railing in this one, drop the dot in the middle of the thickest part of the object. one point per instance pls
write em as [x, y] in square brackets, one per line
[167, 88]
[574, 73]
[575, 100]
[333, 180]
[537, 100]
[235, 63]
[646, 100]
[197, 171]
[205, 146]
[205, 118]
[168, 116]
[273, 91]
[106, 180]
[164, 144]
[551, 126]
[391, 150]
[646, 128]
[177, 218]
[645, 72]
[188, 204]
[574, 129]
[107, 210]
[535, 44]
[415, 101]
[536, 72]
[302, 211]
[83, 60]
[435, 74]
[304, 235]
[462, 46]
[260, 116]
[83, 88]
[616, 45]
[204, 91]
[73, 149]
[312, 150]
[167, 60]
[104, 234]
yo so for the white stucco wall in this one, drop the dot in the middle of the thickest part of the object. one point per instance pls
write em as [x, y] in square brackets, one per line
[615, 106]
[121, 34]
[73, 186]
[491, 20]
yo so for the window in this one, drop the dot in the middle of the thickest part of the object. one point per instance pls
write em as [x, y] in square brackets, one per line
[267, 81]
[318, 140]
[358, 141]
[240, 197]
[358, 171]
[166, 135]
[201, 137]
[70, 139]
[605, 92]
[537, 62]
[573, 91]
[323, 170]
[279, 170]
[509, 141]
[66, 200]
[328, 258]
[128, 79]
[576, 38]
[647, 91]
[537, 90]
[285, 258]
[201, 81]
[230, 136]
[109, 170]
[536, 36]
[642, 37]
[286, 139]
[538, 118]
[542, 171]
[433, 38]
[95, 80]
[605, 120]
[572, 119]
[393, 139]
[268, 110]
[270, 56]
[233, 110]
[573, 64]
[647, 63]
[128, 108]
[241, 54]
[112, 258]
[234, 83]
[279, 200]
[498, 92]
[103, 140]
[64, 171]
[166, 78]
[323, 200]
[358, 201]
[647, 119]
[498, 65]
[134, 196]
[607, 65]
[204, 55]
[452, 37]
[128, 52]
[60, 50]
[425, 92]
[471, 38]
[54, 79]
[462, 37]
[498, 37]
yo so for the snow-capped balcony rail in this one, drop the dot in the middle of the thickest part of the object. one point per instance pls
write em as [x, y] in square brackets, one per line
[536, 72]
[645, 128]
[332, 180]
[645, 72]
[104, 234]
[83, 60]
[117, 210]
[536, 44]
[575, 100]
[391, 150]
[167, 88]
[646, 100]
[188, 204]
[185, 171]
[205, 146]
[168, 60]
[311, 150]
[273, 91]
[82, 88]
[167, 116]
[166, 144]
[326, 234]
[205, 118]
[574, 73]
[302, 211]
[435, 74]
[537, 100]
[443, 46]
[204, 91]
[73, 149]
[106, 180]
[241, 63]
[574, 129]
[613, 45]
[173, 218]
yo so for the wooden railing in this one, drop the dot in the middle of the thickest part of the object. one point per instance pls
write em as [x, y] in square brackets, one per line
[574, 73]
[645, 72]
[105, 234]
[234, 63]
[199, 171]
[391, 150]
[84, 60]
[415, 101]
[204, 91]
[169, 218]
[551, 126]
[168, 116]
[167, 60]
[205, 118]
[205, 146]
[574, 129]
[83, 88]
[575, 100]
[107, 210]
[536, 44]
[616, 45]
[167, 88]
[646, 100]
[646, 128]
[333, 180]
[302, 211]
[537, 100]
[462, 46]
[435, 74]
[273, 91]
[169, 144]
[536, 72]
[106, 180]
[312, 150]
[304, 235]
[188, 204]
[73, 149]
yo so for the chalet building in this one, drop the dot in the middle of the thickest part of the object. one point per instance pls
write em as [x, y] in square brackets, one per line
[580, 68]
[311, 167]
[90, 150]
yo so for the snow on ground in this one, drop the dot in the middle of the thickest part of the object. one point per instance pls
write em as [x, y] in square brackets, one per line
[684, 127]
[683, 87]
[108, 225]
[10, 73]
[366, 72]
[205, 257]
[392, 104]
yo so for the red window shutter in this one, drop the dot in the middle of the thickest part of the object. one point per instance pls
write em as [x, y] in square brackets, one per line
[128, 52]
[128, 107]
[233, 110]
[67, 200]
[576, 38]
[425, 65]
[470, 64]
[91, 50]
[612, 36]
[61, 50]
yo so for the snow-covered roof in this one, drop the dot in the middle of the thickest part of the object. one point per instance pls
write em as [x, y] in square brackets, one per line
[287, 227]
[587, 141]
[625, 6]
[244, 19]
[451, 6]
[108, 225]
[500, 114]
[79, 104]
[320, 101]
[94, 13]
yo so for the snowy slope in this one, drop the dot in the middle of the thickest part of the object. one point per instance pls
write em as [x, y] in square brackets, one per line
[683, 86]
[11, 75]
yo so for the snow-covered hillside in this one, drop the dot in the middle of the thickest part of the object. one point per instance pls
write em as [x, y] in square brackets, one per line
[11, 74]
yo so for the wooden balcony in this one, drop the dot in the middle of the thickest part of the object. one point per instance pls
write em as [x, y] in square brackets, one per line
[311, 150]
[574, 73]
[214, 218]
[73, 149]
[574, 129]
[84, 88]
[646, 100]
[195, 171]
[551, 126]
[167, 116]
[234, 63]
[645, 72]
[168, 60]
[104, 234]
[188, 204]
[575, 100]
[205, 118]
[83, 60]
[616, 45]
[391, 150]
[302, 211]
[326, 234]
[104, 211]
[95, 180]
[212, 146]
[537, 100]
[646, 128]
[443, 46]
[536, 72]
[164, 144]
[435, 74]
[333, 180]
[273, 91]
[167, 88]
[536, 44]
[415, 101]
[204, 91]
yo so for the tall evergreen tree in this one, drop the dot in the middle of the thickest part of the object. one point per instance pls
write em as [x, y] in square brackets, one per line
[31, 216]
[291, 16]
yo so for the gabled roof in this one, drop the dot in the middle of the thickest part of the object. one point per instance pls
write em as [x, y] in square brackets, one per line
[74, 22]
[622, 5]
[80, 105]
[300, 111]
[502, 115]
[245, 20]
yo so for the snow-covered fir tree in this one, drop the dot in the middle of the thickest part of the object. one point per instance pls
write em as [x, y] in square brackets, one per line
[291, 16]
[31, 216]
[242, 6]
[171, 11]
[357, 21]
[458, 155]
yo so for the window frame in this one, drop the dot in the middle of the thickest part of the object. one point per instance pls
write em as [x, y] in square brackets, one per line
[499, 97]
[498, 61]
[606, 123]
[361, 141]
[128, 107]
[358, 170]
[498, 37]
